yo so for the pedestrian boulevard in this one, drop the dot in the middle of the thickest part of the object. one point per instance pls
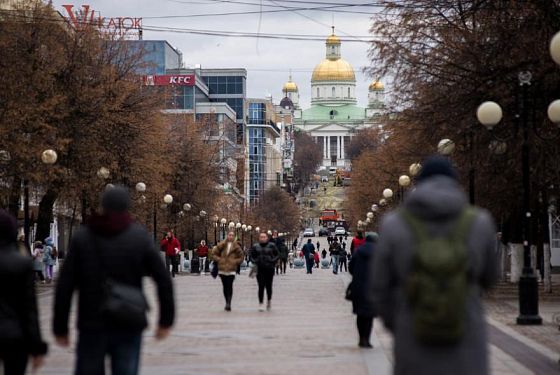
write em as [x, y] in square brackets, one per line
[310, 330]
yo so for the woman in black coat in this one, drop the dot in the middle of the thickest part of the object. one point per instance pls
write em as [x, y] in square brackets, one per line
[360, 266]
[20, 336]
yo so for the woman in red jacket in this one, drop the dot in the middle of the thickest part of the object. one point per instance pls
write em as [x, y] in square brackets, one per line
[170, 244]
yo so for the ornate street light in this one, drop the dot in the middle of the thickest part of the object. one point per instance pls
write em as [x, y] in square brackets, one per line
[47, 157]
[404, 181]
[369, 215]
[446, 147]
[489, 114]
[387, 193]
[102, 172]
[168, 198]
[414, 169]
[374, 207]
[383, 202]
[187, 207]
[555, 48]
[140, 187]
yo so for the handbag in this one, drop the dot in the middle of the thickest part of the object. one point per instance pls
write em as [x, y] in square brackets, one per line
[214, 270]
[253, 272]
[123, 305]
[348, 295]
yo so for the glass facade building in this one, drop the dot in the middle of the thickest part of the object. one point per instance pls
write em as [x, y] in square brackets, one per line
[257, 163]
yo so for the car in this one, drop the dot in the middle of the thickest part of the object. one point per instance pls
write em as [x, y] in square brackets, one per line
[323, 232]
[332, 171]
[324, 178]
[340, 231]
[308, 232]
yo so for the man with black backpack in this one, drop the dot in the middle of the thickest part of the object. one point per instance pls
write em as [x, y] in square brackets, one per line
[435, 256]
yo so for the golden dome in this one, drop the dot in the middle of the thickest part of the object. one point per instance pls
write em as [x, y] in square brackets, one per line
[333, 70]
[290, 87]
[333, 39]
[376, 85]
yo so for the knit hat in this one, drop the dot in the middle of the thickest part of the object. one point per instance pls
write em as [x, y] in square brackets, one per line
[8, 227]
[437, 166]
[115, 199]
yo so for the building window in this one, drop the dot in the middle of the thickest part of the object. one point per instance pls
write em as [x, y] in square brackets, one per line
[318, 93]
[349, 92]
[333, 92]
[257, 113]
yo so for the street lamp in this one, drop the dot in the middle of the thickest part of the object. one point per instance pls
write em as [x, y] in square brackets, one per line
[140, 187]
[374, 207]
[555, 48]
[404, 182]
[387, 193]
[103, 173]
[250, 230]
[204, 215]
[414, 169]
[223, 222]
[490, 114]
[446, 147]
[369, 215]
[383, 202]
[187, 207]
[168, 199]
[48, 157]
[216, 220]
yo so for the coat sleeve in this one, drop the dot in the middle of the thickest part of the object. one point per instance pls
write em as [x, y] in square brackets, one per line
[381, 279]
[33, 333]
[238, 255]
[253, 254]
[67, 282]
[216, 252]
[156, 269]
[275, 253]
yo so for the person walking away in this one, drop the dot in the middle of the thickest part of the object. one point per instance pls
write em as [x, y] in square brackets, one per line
[362, 305]
[38, 267]
[291, 259]
[202, 252]
[264, 255]
[228, 255]
[282, 252]
[335, 251]
[49, 259]
[107, 259]
[318, 245]
[436, 256]
[357, 241]
[324, 254]
[308, 251]
[172, 247]
[294, 244]
[342, 260]
[20, 334]
[317, 258]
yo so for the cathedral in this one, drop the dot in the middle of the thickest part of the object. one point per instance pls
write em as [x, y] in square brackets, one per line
[334, 116]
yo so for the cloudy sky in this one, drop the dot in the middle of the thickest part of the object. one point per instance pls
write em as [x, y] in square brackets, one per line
[268, 61]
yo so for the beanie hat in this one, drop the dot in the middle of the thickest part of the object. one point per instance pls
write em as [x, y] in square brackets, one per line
[115, 199]
[437, 166]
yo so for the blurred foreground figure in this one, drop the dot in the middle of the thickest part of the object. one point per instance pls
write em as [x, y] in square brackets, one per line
[435, 255]
[106, 262]
[20, 336]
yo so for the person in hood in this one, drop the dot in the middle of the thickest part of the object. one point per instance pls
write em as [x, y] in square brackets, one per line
[438, 202]
[20, 335]
[126, 252]
[362, 304]
[357, 241]
[170, 244]
[264, 255]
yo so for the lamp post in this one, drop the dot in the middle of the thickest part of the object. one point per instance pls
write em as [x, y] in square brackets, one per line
[204, 216]
[243, 230]
[490, 114]
[186, 208]
[414, 169]
[216, 221]
[404, 182]
[223, 222]
[446, 147]
[237, 228]
[250, 229]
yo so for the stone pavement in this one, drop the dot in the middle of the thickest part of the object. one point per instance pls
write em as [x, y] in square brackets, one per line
[310, 330]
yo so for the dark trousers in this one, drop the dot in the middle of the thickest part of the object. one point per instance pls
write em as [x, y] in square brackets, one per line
[309, 263]
[39, 274]
[123, 348]
[227, 284]
[14, 358]
[281, 266]
[365, 324]
[265, 276]
[171, 261]
[342, 261]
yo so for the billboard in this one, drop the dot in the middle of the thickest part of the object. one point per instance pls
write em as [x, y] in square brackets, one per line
[85, 15]
[170, 80]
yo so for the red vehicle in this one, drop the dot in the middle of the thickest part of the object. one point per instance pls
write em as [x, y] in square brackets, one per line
[329, 215]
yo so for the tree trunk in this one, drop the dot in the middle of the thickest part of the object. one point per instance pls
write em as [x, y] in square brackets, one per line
[45, 216]
[516, 261]
[14, 197]
[547, 274]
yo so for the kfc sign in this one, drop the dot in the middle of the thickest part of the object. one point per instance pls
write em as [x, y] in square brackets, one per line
[87, 16]
[170, 80]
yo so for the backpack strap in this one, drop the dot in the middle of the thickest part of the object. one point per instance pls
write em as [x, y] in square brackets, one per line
[418, 228]
[461, 230]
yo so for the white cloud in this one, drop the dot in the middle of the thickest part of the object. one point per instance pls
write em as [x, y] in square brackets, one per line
[268, 61]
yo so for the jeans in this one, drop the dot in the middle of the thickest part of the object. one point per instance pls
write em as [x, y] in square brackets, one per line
[335, 264]
[265, 276]
[227, 284]
[365, 324]
[122, 347]
[49, 272]
[309, 263]
[342, 262]
[202, 264]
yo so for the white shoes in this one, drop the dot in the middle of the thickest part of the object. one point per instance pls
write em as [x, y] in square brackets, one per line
[261, 307]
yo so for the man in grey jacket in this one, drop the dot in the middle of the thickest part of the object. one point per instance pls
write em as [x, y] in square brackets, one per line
[438, 202]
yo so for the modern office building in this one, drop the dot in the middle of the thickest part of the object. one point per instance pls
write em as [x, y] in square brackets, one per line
[158, 56]
[334, 116]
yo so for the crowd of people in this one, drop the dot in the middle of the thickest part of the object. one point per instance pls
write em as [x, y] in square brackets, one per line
[422, 276]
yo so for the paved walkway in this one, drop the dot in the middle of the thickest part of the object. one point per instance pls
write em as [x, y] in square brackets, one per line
[309, 330]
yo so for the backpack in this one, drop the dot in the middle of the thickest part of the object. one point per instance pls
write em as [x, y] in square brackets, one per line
[54, 253]
[438, 284]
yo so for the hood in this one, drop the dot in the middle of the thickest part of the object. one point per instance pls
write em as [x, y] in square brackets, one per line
[110, 224]
[436, 199]
[49, 241]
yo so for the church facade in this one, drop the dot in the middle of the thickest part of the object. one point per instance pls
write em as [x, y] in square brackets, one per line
[334, 116]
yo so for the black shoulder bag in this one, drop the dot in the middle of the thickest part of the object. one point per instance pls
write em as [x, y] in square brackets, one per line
[123, 305]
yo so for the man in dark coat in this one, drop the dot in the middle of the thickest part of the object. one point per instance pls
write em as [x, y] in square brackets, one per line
[282, 253]
[362, 304]
[20, 336]
[113, 246]
[308, 251]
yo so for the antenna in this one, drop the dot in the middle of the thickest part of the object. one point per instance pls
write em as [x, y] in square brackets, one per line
[332, 24]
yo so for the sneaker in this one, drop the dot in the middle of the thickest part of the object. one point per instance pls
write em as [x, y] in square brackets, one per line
[365, 345]
[261, 307]
[268, 305]
[228, 307]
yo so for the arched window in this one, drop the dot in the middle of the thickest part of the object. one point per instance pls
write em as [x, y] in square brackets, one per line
[318, 93]
[333, 92]
[349, 92]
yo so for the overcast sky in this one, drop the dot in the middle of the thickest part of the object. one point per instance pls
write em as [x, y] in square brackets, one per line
[268, 61]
